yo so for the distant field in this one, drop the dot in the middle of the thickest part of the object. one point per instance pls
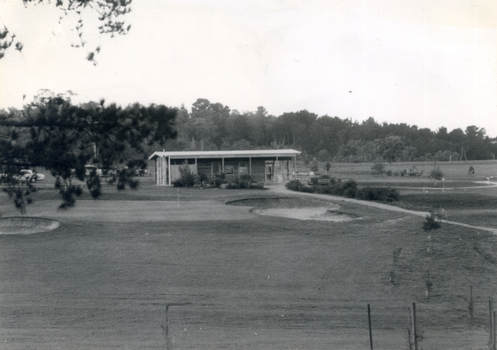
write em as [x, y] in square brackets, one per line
[104, 277]
[451, 170]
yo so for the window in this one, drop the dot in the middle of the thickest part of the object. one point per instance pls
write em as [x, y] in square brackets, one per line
[216, 168]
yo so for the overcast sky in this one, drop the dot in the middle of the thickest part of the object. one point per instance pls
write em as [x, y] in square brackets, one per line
[426, 63]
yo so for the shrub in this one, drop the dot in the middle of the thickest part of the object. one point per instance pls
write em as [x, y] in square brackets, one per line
[245, 181]
[257, 186]
[392, 195]
[432, 222]
[217, 182]
[314, 165]
[202, 178]
[378, 168]
[378, 194]
[367, 193]
[436, 174]
[186, 179]
[307, 189]
[350, 188]
[233, 185]
[314, 180]
[294, 185]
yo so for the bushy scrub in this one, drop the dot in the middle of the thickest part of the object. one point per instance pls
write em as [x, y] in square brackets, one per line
[186, 179]
[337, 187]
[348, 189]
[385, 194]
[245, 181]
[294, 185]
[314, 180]
[233, 185]
[201, 179]
[378, 169]
[432, 222]
[436, 174]
[217, 182]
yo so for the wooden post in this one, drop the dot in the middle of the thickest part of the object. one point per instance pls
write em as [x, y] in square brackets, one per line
[414, 332]
[409, 326]
[491, 325]
[370, 329]
[166, 329]
[471, 312]
[494, 330]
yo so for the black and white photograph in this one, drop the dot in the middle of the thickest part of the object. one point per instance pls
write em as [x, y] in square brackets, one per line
[259, 175]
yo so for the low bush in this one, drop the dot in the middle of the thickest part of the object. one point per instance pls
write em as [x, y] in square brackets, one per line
[432, 222]
[337, 187]
[245, 181]
[294, 185]
[257, 186]
[385, 194]
[436, 174]
[186, 179]
[348, 189]
[233, 185]
[378, 169]
[217, 182]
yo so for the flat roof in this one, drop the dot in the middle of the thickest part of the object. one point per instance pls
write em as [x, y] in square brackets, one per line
[258, 153]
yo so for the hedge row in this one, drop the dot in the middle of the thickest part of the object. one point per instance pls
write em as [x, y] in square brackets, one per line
[347, 189]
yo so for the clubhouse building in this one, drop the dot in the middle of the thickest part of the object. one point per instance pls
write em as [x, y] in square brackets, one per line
[268, 166]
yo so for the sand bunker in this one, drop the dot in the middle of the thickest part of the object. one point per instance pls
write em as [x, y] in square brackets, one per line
[296, 208]
[26, 225]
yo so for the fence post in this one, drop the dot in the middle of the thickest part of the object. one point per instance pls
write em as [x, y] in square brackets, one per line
[409, 325]
[166, 331]
[370, 329]
[414, 332]
[471, 305]
[491, 324]
[494, 331]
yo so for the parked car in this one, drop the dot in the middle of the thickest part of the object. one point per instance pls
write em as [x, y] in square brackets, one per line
[26, 175]
[141, 172]
[110, 172]
[89, 168]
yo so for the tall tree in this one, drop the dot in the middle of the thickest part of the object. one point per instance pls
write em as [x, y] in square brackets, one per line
[54, 134]
[109, 14]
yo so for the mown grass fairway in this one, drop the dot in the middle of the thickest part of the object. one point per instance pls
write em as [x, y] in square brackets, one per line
[235, 280]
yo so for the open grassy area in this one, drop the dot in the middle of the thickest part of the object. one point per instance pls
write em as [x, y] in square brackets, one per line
[105, 277]
[452, 170]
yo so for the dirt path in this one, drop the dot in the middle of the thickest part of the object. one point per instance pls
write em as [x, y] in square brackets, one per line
[282, 189]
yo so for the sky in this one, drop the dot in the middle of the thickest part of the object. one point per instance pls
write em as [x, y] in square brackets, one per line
[420, 62]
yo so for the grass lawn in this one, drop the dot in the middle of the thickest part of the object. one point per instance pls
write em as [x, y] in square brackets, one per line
[105, 277]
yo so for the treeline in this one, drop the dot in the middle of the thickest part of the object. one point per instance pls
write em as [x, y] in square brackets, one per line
[213, 126]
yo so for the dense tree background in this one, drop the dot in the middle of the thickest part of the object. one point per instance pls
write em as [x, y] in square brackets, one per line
[54, 134]
[213, 126]
[63, 138]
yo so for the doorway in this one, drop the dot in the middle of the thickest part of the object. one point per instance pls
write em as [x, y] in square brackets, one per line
[269, 171]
